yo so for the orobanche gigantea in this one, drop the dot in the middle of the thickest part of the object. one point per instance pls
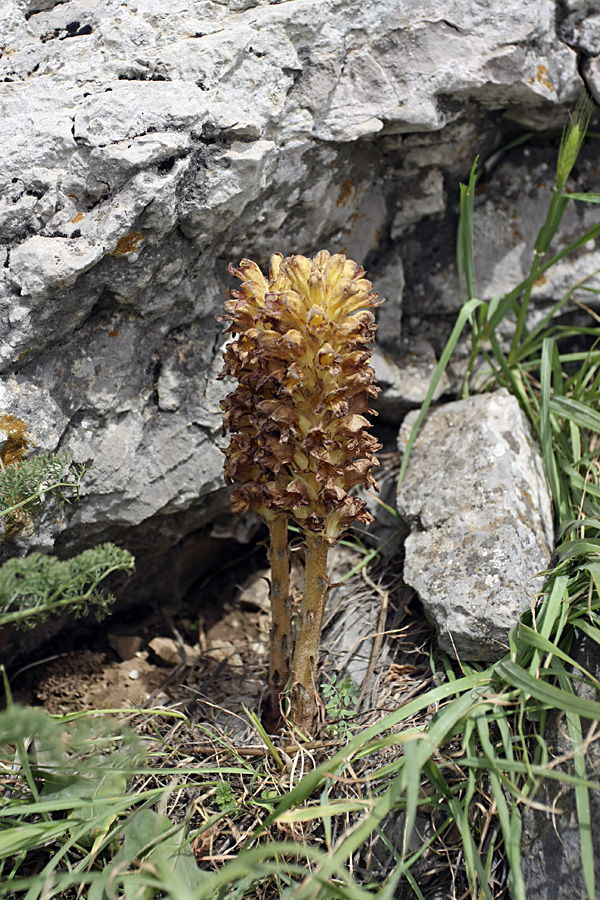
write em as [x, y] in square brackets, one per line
[299, 437]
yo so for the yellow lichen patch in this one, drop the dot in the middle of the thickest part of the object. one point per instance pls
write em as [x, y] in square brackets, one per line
[128, 244]
[540, 280]
[78, 218]
[17, 442]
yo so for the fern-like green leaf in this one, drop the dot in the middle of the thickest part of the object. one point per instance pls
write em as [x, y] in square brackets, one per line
[33, 588]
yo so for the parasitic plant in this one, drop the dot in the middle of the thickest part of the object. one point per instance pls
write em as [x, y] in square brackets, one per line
[299, 438]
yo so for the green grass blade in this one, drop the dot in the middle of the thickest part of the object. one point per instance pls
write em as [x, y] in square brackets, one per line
[533, 639]
[594, 571]
[545, 426]
[439, 731]
[464, 251]
[510, 820]
[552, 696]
[587, 198]
[258, 726]
[511, 297]
[411, 783]
[460, 813]
[577, 549]
[577, 412]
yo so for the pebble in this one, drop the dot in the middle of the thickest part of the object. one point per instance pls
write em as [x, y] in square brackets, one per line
[126, 646]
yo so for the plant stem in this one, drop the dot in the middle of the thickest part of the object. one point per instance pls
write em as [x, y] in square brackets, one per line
[308, 632]
[281, 628]
[522, 313]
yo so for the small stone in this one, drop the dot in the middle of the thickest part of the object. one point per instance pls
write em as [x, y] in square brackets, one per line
[126, 646]
[224, 650]
[165, 651]
[255, 591]
[134, 674]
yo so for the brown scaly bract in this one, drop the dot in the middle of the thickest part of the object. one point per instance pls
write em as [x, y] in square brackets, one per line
[299, 438]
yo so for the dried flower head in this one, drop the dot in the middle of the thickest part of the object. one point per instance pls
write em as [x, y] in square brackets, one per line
[300, 438]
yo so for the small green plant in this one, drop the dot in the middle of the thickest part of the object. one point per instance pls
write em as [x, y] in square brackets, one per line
[155, 859]
[37, 586]
[25, 485]
[340, 695]
[224, 797]
[62, 780]
[66, 803]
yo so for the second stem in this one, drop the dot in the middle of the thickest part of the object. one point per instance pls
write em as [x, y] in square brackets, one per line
[308, 632]
[281, 628]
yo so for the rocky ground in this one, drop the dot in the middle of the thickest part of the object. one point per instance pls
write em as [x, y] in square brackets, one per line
[146, 148]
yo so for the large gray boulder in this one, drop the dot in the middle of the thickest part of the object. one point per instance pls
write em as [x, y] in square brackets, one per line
[476, 498]
[145, 145]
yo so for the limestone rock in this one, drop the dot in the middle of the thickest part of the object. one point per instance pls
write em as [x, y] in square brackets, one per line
[592, 71]
[469, 50]
[404, 384]
[510, 207]
[476, 497]
[146, 146]
[425, 197]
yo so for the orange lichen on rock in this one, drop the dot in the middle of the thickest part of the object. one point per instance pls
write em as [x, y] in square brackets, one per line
[17, 443]
[128, 244]
[542, 77]
[346, 191]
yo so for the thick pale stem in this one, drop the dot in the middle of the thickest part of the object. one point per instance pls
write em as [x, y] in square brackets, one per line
[308, 633]
[281, 629]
